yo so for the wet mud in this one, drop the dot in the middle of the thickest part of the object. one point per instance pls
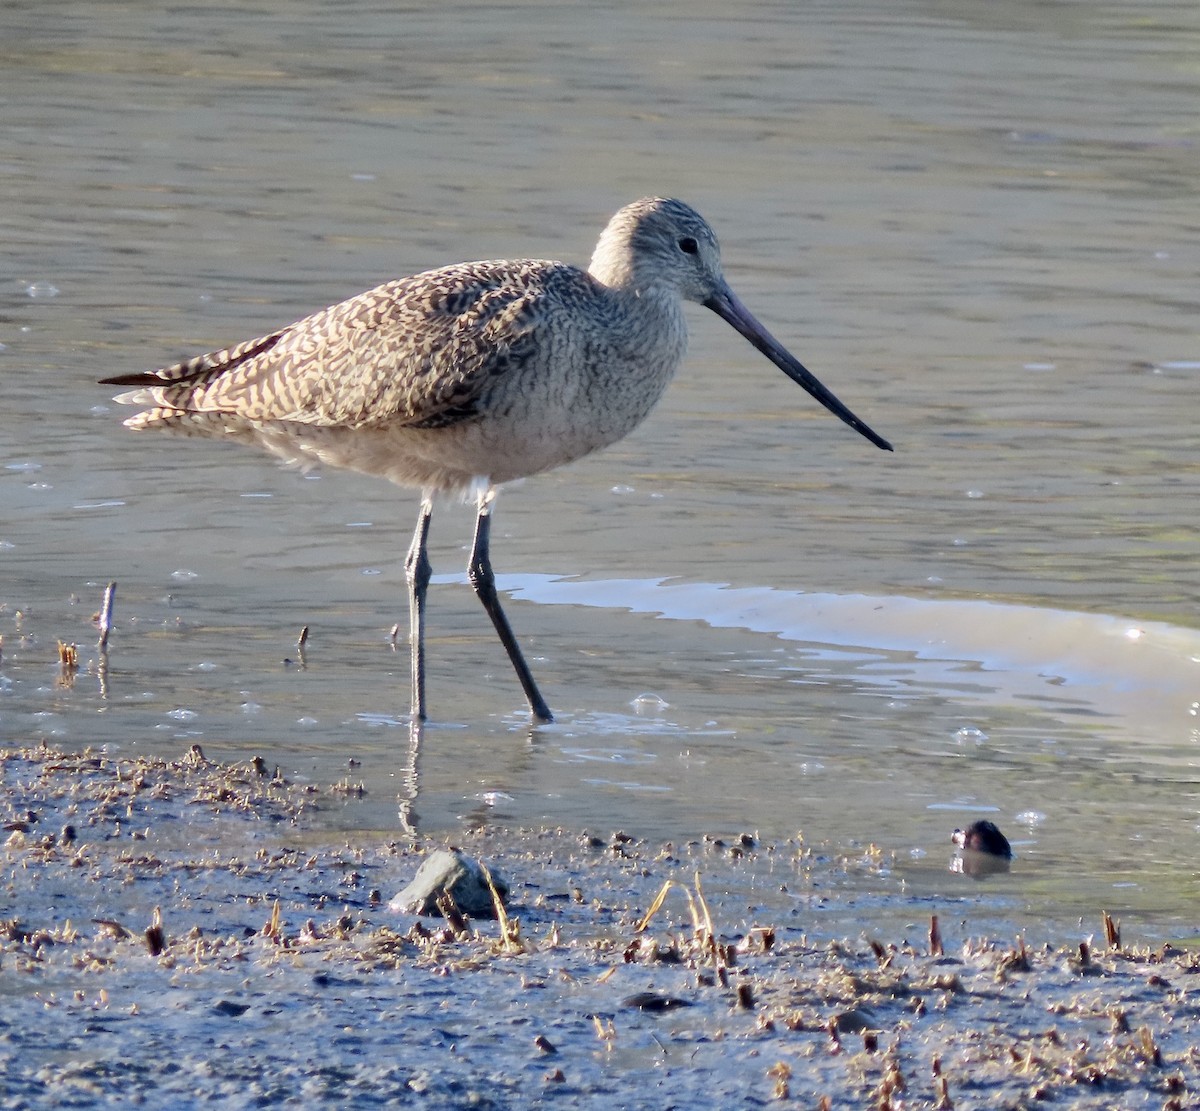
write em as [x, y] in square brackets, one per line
[184, 932]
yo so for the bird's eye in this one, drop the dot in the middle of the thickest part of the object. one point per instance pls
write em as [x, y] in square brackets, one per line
[689, 246]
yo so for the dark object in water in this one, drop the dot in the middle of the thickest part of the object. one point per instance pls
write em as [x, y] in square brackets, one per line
[982, 850]
[654, 1002]
[983, 837]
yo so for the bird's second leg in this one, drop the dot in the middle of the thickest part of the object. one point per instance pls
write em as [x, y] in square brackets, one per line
[484, 581]
[417, 571]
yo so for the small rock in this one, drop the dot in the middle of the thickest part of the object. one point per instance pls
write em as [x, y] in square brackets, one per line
[857, 1020]
[452, 871]
[231, 1009]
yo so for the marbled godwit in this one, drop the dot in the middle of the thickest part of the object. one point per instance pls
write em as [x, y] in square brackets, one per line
[464, 378]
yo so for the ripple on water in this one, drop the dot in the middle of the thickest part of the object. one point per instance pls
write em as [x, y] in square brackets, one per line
[627, 785]
[379, 721]
[636, 725]
[649, 703]
[492, 798]
[578, 755]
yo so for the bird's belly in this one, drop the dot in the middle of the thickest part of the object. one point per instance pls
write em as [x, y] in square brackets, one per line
[449, 458]
[500, 449]
[518, 432]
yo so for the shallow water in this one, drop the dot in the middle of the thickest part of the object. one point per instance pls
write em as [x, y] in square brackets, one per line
[977, 229]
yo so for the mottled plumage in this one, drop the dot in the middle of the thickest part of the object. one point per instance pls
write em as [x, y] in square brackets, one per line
[472, 374]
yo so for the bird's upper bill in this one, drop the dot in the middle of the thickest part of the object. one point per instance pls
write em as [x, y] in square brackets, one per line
[725, 303]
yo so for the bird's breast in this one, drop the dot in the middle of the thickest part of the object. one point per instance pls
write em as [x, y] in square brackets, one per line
[556, 408]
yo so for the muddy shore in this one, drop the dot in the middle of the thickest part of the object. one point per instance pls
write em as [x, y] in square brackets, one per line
[184, 933]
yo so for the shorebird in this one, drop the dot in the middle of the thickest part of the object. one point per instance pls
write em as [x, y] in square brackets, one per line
[461, 379]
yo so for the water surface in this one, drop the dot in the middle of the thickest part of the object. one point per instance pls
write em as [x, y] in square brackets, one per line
[977, 227]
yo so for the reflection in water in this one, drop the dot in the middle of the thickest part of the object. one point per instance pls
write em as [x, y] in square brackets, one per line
[406, 768]
[410, 782]
[102, 671]
[978, 865]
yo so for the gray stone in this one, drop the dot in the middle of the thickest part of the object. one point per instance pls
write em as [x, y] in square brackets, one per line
[453, 871]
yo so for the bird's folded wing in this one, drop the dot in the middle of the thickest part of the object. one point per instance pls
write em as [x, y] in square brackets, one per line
[418, 351]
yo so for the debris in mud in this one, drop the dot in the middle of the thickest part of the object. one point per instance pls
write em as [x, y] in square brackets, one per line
[156, 939]
[68, 664]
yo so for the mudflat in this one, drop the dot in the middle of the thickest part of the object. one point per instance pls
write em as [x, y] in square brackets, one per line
[185, 932]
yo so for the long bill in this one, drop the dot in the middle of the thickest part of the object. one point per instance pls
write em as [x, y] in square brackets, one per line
[724, 302]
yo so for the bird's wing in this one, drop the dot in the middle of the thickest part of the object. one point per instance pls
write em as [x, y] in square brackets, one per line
[419, 351]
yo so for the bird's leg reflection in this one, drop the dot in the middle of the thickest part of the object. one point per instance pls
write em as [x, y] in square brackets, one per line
[102, 672]
[409, 778]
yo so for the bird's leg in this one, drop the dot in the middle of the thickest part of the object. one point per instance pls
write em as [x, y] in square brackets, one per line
[417, 571]
[479, 570]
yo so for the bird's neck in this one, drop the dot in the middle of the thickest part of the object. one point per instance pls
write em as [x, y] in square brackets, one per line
[612, 262]
[650, 318]
[616, 265]
[647, 326]
[624, 281]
